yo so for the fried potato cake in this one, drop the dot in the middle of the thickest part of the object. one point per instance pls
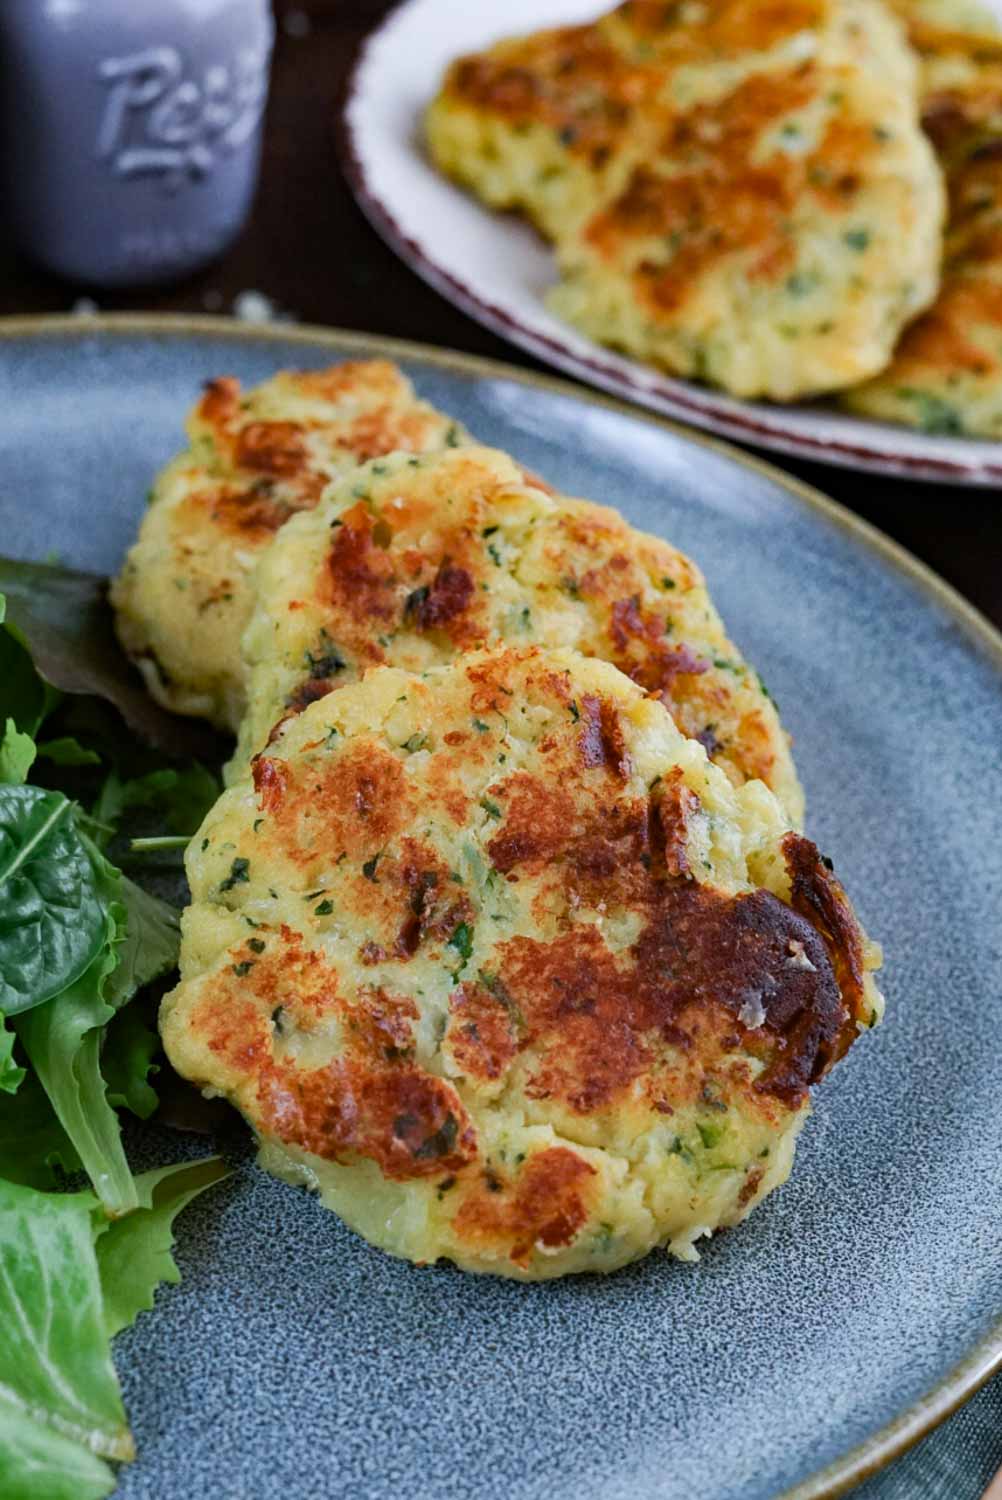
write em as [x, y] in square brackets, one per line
[946, 375]
[183, 596]
[740, 194]
[413, 559]
[501, 964]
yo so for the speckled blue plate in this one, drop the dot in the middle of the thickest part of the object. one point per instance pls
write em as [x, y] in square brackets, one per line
[861, 1302]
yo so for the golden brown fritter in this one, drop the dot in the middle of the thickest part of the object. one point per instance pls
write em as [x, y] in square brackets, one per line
[257, 457]
[500, 963]
[946, 375]
[410, 560]
[737, 193]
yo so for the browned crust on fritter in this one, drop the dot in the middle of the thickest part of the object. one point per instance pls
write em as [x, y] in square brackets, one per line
[725, 204]
[711, 999]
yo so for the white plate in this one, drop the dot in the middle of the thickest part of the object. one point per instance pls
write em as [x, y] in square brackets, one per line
[497, 269]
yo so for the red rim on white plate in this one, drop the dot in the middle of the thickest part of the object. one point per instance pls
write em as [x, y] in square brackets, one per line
[496, 269]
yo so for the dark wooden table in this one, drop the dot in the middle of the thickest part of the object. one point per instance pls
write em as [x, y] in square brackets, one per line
[309, 250]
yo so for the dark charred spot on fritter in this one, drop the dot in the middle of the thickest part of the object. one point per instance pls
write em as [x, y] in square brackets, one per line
[438, 604]
[547, 1204]
[435, 908]
[271, 781]
[310, 691]
[358, 799]
[537, 818]
[770, 974]
[373, 1100]
[817, 895]
[275, 448]
[220, 403]
[601, 738]
[674, 805]
[483, 1028]
[643, 652]
[408, 1122]
[360, 573]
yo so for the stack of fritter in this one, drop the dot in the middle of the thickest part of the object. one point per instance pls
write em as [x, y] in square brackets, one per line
[504, 936]
[744, 194]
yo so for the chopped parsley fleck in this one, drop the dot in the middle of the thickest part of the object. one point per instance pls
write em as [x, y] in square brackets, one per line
[800, 283]
[324, 909]
[417, 741]
[239, 874]
[256, 945]
[325, 661]
[241, 969]
[462, 940]
[765, 690]
[857, 239]
[490, 807]
[725, 665]
[668, 583]
[710, 1135]
[205, 845]
[933, 413]
[480, 726]
[495, 554]
[369, 868]
[453, 438]
[257, 823]
[574, 711]
[489, 530]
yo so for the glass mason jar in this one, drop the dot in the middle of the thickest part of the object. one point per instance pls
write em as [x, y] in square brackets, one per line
[132, 131]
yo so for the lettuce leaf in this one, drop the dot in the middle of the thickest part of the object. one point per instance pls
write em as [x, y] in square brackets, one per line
[134, 1253]
[131, 1043]
[11, 1074]
[52, 919]
[63, 1043]
[17, 754]
[63, 1038]
[34, 1147]
[69, 1281]
[56, 1364]
[37, 1462]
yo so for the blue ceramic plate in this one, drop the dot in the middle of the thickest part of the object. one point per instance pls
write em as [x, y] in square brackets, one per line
[860, 1303]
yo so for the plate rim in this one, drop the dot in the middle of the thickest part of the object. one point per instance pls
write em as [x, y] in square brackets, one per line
[682, 405]
[981, 1362]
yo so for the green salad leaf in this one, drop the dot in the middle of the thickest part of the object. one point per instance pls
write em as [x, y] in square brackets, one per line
[37, 1462]
[127, 1060]
[151, 942]
[51, 917]
[62, 618]
[134, 1253]
[63, 1039]
[27, 698]
[17, 754]
[69, 1281]
[57, 1366]
[63, 1044]
[66, 750]
[34, 1147]
[11, 1074]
